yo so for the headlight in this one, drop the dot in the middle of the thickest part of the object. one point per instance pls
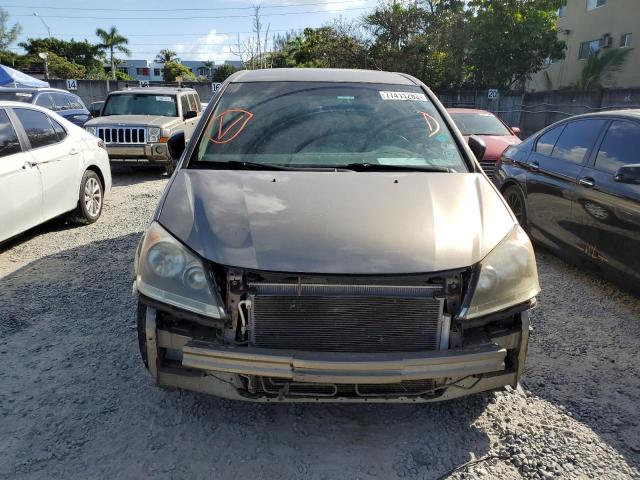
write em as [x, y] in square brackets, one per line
[508, 276]
[154, 134]
[91, 130]
[168, 272]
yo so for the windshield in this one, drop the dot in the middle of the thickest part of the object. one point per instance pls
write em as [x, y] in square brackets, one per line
[479, 124]
[327, 125]
[16, 96]
[140, 104]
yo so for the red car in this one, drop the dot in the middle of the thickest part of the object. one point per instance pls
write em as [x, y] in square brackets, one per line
[496, 134]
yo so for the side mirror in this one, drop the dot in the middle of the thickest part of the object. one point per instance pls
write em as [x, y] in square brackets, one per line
[176, 146]
[477, 146]
[516, 131]
[628, 174]
[190, 114]
[94, 113]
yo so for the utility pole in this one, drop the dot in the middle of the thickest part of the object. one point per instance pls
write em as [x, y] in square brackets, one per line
[35, 14]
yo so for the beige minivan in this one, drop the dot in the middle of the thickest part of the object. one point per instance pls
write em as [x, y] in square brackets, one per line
[328, 235]
[136, 123]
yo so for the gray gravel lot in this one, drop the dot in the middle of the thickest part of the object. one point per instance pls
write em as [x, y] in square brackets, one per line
[76, 401]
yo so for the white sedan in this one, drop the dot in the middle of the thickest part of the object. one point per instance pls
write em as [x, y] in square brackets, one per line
[48, 167]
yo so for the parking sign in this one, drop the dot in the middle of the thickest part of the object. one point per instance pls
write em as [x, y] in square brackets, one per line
[493, 94]
[215, 86]
[72, 84]
[143, 83]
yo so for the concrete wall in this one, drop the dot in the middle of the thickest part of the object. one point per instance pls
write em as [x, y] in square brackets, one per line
[96, 90]
[616, 17]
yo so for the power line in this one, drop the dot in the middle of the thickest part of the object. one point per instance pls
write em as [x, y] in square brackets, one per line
[197, 18]
[168, 34]
[42, 7]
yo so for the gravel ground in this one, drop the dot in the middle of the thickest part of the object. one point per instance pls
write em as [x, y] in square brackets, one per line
[76, 401]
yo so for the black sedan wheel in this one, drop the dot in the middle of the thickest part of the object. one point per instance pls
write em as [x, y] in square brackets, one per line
[515, 199]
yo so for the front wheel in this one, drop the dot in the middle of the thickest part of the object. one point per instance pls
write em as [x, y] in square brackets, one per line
[90, 199]
[515, 200]
[170, 167]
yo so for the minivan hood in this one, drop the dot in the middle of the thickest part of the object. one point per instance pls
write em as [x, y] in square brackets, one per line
[336, 222]
[133, 120]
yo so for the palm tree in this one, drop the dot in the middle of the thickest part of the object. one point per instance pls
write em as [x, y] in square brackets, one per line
[112, 41]
[167, 55]
[599, 68]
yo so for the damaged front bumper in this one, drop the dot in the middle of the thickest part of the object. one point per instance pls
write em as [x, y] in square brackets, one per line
[491, 357]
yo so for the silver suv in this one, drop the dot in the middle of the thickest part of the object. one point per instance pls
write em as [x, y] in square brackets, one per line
[136, 123]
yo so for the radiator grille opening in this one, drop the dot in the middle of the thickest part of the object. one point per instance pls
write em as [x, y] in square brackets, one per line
[344, 323]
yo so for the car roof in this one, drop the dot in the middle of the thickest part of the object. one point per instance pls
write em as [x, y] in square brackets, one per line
[630, 112]
[33, 90]
[468, 110]
[337, 75]
[154, 90]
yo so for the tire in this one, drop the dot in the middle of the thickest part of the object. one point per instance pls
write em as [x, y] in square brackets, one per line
[170, 167]
[142, 334]
[513, 195]
[90, 199]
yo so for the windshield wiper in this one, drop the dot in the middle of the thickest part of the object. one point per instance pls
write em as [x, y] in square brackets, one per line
[240, 165]
[378, 167]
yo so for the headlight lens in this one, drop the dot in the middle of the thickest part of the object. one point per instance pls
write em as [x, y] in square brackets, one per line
[508, 276]
[154, 134]
[91, 130]
[168, 272]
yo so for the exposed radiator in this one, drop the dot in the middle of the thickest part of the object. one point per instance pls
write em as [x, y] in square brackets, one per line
[345, 318]
[122, 135]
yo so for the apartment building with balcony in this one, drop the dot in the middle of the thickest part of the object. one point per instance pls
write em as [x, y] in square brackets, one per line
[588, 26]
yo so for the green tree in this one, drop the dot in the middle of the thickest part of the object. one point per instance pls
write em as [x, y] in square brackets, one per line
[172, 70]
[599, 68]
[167, 55]
[59, 67]
[511, 39]
[112, 42]
[428, 40]
[222, 72]
[338, 45]
[8, 35]
[80, 52]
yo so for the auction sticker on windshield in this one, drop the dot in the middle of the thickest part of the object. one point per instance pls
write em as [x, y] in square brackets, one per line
[403, 96]
[164, 99]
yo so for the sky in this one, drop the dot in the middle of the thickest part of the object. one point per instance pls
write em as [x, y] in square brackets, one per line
[196, 30]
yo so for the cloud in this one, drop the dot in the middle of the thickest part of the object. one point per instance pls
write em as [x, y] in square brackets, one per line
[212, 46]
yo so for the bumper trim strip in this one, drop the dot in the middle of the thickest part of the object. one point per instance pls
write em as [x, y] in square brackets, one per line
[341, 367]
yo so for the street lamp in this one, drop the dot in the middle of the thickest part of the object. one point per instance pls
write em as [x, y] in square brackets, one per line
[35, 14]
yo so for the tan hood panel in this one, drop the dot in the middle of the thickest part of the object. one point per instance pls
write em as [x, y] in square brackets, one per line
[336, 222]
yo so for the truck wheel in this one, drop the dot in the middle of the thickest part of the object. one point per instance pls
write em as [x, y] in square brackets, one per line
[142, 335]
[170, 167]
[90, 199]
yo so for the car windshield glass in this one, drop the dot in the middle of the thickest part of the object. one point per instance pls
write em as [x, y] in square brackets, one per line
[141, 104]
[326, 125]
[479, 124]
[16, 96]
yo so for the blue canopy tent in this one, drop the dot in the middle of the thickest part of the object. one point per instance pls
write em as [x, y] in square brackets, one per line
[13, 78]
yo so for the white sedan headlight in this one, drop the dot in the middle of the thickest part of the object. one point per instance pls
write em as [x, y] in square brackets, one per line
[154, 134]
[508, 276]
[168, 272]
[91, 130]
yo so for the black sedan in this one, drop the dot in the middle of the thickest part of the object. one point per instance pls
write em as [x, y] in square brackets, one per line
[575, 187]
